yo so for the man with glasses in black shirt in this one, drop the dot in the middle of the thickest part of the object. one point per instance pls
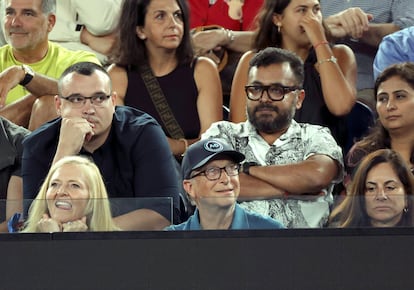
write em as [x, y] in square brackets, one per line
[290, 168]
[127, 145]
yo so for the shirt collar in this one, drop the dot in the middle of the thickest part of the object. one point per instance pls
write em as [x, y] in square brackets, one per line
[292, 132]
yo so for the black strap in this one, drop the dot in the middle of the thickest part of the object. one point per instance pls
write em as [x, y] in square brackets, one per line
[160, 103]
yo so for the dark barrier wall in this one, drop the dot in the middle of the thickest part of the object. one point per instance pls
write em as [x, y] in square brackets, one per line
[286, 259]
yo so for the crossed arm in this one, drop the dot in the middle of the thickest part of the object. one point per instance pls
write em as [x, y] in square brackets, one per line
[303, 178]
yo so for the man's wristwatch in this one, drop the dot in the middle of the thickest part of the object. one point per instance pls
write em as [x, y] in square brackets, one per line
[246, 167]
[28, 75]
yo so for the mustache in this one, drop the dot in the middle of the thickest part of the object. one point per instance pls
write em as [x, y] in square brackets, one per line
[267, 107]
[16, 30]
[90, 119]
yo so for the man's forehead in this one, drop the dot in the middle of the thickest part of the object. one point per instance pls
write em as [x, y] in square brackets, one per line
[24, 4]
[222, 159]
[79, 83]
[273, 73]
[96, 76]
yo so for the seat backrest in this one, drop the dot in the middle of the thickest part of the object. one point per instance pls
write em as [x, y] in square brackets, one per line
[358, 122]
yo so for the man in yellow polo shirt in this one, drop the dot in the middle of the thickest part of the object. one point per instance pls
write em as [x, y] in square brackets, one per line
[30, 64]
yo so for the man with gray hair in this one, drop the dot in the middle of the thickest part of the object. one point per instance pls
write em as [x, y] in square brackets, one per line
[211, 178]
[31, 63]
[290, 168]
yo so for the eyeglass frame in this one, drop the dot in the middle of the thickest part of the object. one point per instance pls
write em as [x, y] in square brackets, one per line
[285, 89]
[203, 173]
[91, 99]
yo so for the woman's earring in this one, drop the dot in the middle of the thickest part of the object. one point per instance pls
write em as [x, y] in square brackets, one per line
[405, 210]
[278, 27]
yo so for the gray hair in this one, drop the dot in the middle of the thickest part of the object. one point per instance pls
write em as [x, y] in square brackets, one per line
[49, 6]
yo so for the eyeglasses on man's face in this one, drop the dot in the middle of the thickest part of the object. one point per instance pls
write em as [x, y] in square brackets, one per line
[79, 101]
[275, 92]
[214, 172]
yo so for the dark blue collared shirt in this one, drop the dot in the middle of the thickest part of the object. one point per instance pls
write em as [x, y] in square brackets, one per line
[135, 160]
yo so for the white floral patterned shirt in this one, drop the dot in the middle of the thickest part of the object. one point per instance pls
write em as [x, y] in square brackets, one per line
[298, 143]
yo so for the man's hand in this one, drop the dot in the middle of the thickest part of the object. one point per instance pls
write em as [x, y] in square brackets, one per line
[352, 22]
[74, 132]
[207, 40]
[9, 78]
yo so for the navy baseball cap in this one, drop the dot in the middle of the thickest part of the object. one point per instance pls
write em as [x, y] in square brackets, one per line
[203, 151]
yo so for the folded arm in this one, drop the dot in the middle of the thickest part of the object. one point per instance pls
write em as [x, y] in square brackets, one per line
[310, 176]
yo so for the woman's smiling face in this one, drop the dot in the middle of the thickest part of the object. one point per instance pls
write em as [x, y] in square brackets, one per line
[67, 194]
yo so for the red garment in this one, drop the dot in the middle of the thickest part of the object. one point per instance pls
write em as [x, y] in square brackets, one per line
[201, 14]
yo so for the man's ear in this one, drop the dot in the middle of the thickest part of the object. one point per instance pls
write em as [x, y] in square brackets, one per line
[300, 98]
[51, 21]
[114, 96]
[188, 187]
[58, 104]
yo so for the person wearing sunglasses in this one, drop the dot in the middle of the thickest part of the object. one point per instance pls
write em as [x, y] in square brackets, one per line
[290, 167]
[128, 146]
[211, 178]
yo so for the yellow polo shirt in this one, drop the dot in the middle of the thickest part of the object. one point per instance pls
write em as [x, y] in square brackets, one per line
[52, 65]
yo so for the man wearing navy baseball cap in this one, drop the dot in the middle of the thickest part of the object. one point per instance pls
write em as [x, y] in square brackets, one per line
[211, 178]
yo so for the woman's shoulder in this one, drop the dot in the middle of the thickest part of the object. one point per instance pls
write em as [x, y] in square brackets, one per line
[116, 69]
[203, 62]
[342, 51]
[247, 56]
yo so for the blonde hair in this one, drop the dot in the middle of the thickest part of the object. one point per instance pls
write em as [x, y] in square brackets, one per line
[98, 210]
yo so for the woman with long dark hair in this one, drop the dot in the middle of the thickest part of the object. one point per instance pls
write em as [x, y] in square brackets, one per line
[155, 34]
[380, 195]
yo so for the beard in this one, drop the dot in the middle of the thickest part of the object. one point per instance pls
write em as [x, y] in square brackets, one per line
[266, 123]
